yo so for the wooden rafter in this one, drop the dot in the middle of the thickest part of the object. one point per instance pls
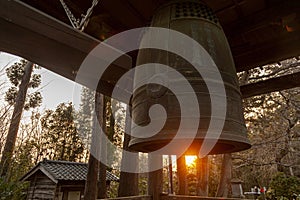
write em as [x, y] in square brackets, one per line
[271, 85]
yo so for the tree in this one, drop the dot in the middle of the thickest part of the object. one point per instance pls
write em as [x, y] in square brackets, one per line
[12, 190]
[61, 140]
[112, 125]
[91, 187]
[25, 156]
[273, 125]
[20, 75]
[284, 186]
[84, 120]
[5, 118]
[15, 74]
[215, 164]
[273, 129]
[10, 186]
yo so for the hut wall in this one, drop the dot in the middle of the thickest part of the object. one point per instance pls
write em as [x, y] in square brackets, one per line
[65, 188]
[41, 187]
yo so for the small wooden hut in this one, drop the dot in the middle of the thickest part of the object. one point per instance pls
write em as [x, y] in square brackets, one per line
[59, 180]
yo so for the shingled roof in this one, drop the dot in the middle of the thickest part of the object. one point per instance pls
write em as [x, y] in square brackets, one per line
[64, 171]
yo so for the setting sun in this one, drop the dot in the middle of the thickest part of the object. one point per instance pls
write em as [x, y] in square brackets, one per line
[190, 160]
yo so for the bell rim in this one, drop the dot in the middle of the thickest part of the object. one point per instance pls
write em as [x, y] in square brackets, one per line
[223, 145]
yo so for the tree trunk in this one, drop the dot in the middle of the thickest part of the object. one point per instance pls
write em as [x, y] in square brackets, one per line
[155, 178]
[224, 188]
[182, 173]
[15, 120]
[202, 176]
[103, 150]
[171, 188]
[285, 150]
[90, 192]
[102, 188]
[128, 185]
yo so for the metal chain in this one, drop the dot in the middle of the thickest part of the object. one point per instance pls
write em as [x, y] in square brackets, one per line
[76, 23]
[71, 17]
[87, 15]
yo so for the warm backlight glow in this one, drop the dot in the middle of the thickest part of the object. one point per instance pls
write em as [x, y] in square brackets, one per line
[190, 160]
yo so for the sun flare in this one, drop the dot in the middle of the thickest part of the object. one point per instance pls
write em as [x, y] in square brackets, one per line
[190, 160]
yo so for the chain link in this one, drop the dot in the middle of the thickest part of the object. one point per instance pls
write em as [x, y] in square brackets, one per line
[77, 23]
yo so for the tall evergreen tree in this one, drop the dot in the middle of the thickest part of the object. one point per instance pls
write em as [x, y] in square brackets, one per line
[21, 77]
[84, 118]
[61, 140]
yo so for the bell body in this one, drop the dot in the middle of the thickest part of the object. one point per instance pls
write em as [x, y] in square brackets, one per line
[196, 20]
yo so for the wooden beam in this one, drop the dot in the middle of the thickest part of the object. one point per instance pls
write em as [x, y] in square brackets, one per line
[281, 48]
[42, 39]
[56, 9]
[278, 46]
[261, 18]
[183, 197]
[271, 85]
[121, 11]
[145, 197]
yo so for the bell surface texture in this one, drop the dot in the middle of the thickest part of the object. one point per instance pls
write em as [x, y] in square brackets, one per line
[196, 20]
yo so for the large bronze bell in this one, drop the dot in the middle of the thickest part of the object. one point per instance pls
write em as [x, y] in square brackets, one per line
[196, 20]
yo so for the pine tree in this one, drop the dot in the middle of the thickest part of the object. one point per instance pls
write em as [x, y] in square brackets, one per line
[84, 118]
[21, 77]
[61, 140]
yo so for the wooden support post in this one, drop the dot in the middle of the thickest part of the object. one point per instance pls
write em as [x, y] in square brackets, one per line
[155, 178]
[128, 185]
[224, 188]
[202, 176]
[90, 192]
[181, 171]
